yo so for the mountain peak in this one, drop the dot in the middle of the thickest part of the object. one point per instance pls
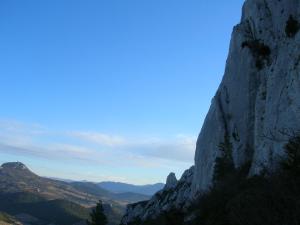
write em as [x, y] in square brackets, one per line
[171, 181]
[14, 165]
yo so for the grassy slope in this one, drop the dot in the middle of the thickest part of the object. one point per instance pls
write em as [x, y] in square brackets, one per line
[6, 219]
[54, 211]
[40, 194]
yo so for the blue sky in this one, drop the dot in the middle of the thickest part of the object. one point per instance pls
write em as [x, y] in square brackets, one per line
[110, 89]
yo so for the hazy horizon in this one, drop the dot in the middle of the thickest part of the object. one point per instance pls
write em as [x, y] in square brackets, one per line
[109, 90]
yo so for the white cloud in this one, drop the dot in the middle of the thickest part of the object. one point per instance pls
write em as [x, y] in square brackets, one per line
[93, 147]
[99, 138]
[180, 147]
[16, 127]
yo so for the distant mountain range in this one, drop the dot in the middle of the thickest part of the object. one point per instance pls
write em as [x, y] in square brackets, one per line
[118, 187]
[36, 200]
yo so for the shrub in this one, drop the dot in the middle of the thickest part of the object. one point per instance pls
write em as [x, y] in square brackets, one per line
[172, 217]
[292, 162]
[257, 48]
[292, 27]
[224, 164]
[239, 200]
[260, 205]
[97, 216]
[260, 52]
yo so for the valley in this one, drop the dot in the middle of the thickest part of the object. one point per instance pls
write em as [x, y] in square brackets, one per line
[30, 198]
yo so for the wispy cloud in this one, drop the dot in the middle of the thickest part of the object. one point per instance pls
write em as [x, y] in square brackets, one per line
[95, 147]
[178, 147]
[99, 138]
[17, 127]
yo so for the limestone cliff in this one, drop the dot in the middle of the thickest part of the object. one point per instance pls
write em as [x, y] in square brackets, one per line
[256, 104]
[259, 96]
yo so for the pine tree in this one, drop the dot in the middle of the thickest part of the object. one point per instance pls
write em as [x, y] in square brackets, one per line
[97, 216]
[224, 163]
[292, 161]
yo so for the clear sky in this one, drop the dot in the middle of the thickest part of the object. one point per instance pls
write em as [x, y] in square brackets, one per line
[109, 89]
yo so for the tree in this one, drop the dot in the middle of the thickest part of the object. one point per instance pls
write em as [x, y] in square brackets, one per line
[224, 164]
[97, 216]
[292, 27]
[292, 161]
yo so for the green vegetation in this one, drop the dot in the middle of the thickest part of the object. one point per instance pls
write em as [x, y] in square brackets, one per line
[224, 163]
[172, 217]
[292, 27]
[97, 216]
[236, 199]
[292, 161]
[19, 187]
[61, 211]
[51, 211]
[260, 52]
[6, 218]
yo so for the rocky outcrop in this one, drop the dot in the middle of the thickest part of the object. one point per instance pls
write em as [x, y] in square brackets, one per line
[257, 104]
[174, 195]
[14, 165]
[171, 181]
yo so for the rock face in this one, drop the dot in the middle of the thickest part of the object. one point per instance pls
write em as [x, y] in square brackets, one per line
[173, 196]
[171, 181]
[14, 165]
[259, 97]
[257, 105]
